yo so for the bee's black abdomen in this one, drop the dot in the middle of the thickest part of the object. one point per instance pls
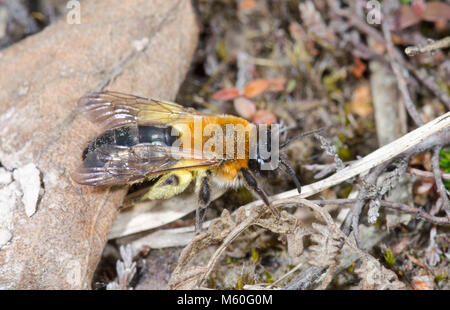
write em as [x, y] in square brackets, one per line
[156, 135]
[132, 135]
[123, 136]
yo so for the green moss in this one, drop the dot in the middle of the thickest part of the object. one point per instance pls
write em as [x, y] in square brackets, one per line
[344, 190]
[268, 276]
[291, 84]
[344, 153]
[255, 256]
[441, 277]
[240, 283]
[228, 260]
[389, 258]
[445, 164]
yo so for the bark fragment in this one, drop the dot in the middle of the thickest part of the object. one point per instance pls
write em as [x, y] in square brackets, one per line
[140, 47]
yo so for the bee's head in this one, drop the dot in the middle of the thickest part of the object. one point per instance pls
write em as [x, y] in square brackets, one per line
[267, 156]
[265, 146]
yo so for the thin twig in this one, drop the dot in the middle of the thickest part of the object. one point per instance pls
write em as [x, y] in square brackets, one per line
[414, 171]
[398, 74]
[304, 280]
[430, 83]
[426, 174]
[352, 219]
[421, 49]
[392, 205]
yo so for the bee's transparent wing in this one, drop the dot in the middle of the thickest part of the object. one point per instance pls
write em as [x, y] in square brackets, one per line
[113, 109]
[114, 165]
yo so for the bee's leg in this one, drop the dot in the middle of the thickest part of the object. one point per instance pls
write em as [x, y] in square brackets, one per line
[204, 199]
[252, 184]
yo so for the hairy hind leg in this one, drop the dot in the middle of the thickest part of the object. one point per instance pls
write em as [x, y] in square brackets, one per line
[169, 185]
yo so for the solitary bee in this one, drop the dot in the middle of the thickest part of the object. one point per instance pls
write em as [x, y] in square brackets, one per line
[142, 141]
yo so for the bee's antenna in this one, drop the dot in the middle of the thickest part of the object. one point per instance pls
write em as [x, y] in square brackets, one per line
[291, 172]
[286, 143]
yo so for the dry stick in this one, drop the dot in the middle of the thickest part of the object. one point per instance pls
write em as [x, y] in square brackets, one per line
[414, 171]
[352, 219]
[391, 205]
[422, 76]
[430, 83]
[426, 174]
[304, 279]
[438, 179]
[403, 87]
[421, 49]
[383, 154]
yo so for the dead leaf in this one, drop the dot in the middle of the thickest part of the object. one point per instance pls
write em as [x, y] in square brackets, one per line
[423, 186]
[361, 101]
[422, 283]
[422, 159]
[226, 94]
[358, 68]
[256, 87]
[437, 11]
[264, 117]
[419, 7]
[405, 17]
[276, 85]
[377, 47]
[244, 107]
[427, 161]
[246, 5]
[440, 25]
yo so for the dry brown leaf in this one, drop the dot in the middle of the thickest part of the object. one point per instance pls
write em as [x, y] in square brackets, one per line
[264, 117]
[256, 87]
[358, 68]
[226, 94]
[361, 101]
[405, 17]
[437, 11]
[423, 186]
[276, 85]
[246, 5]
[419, 7]
[244, 107]
[422, 283]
